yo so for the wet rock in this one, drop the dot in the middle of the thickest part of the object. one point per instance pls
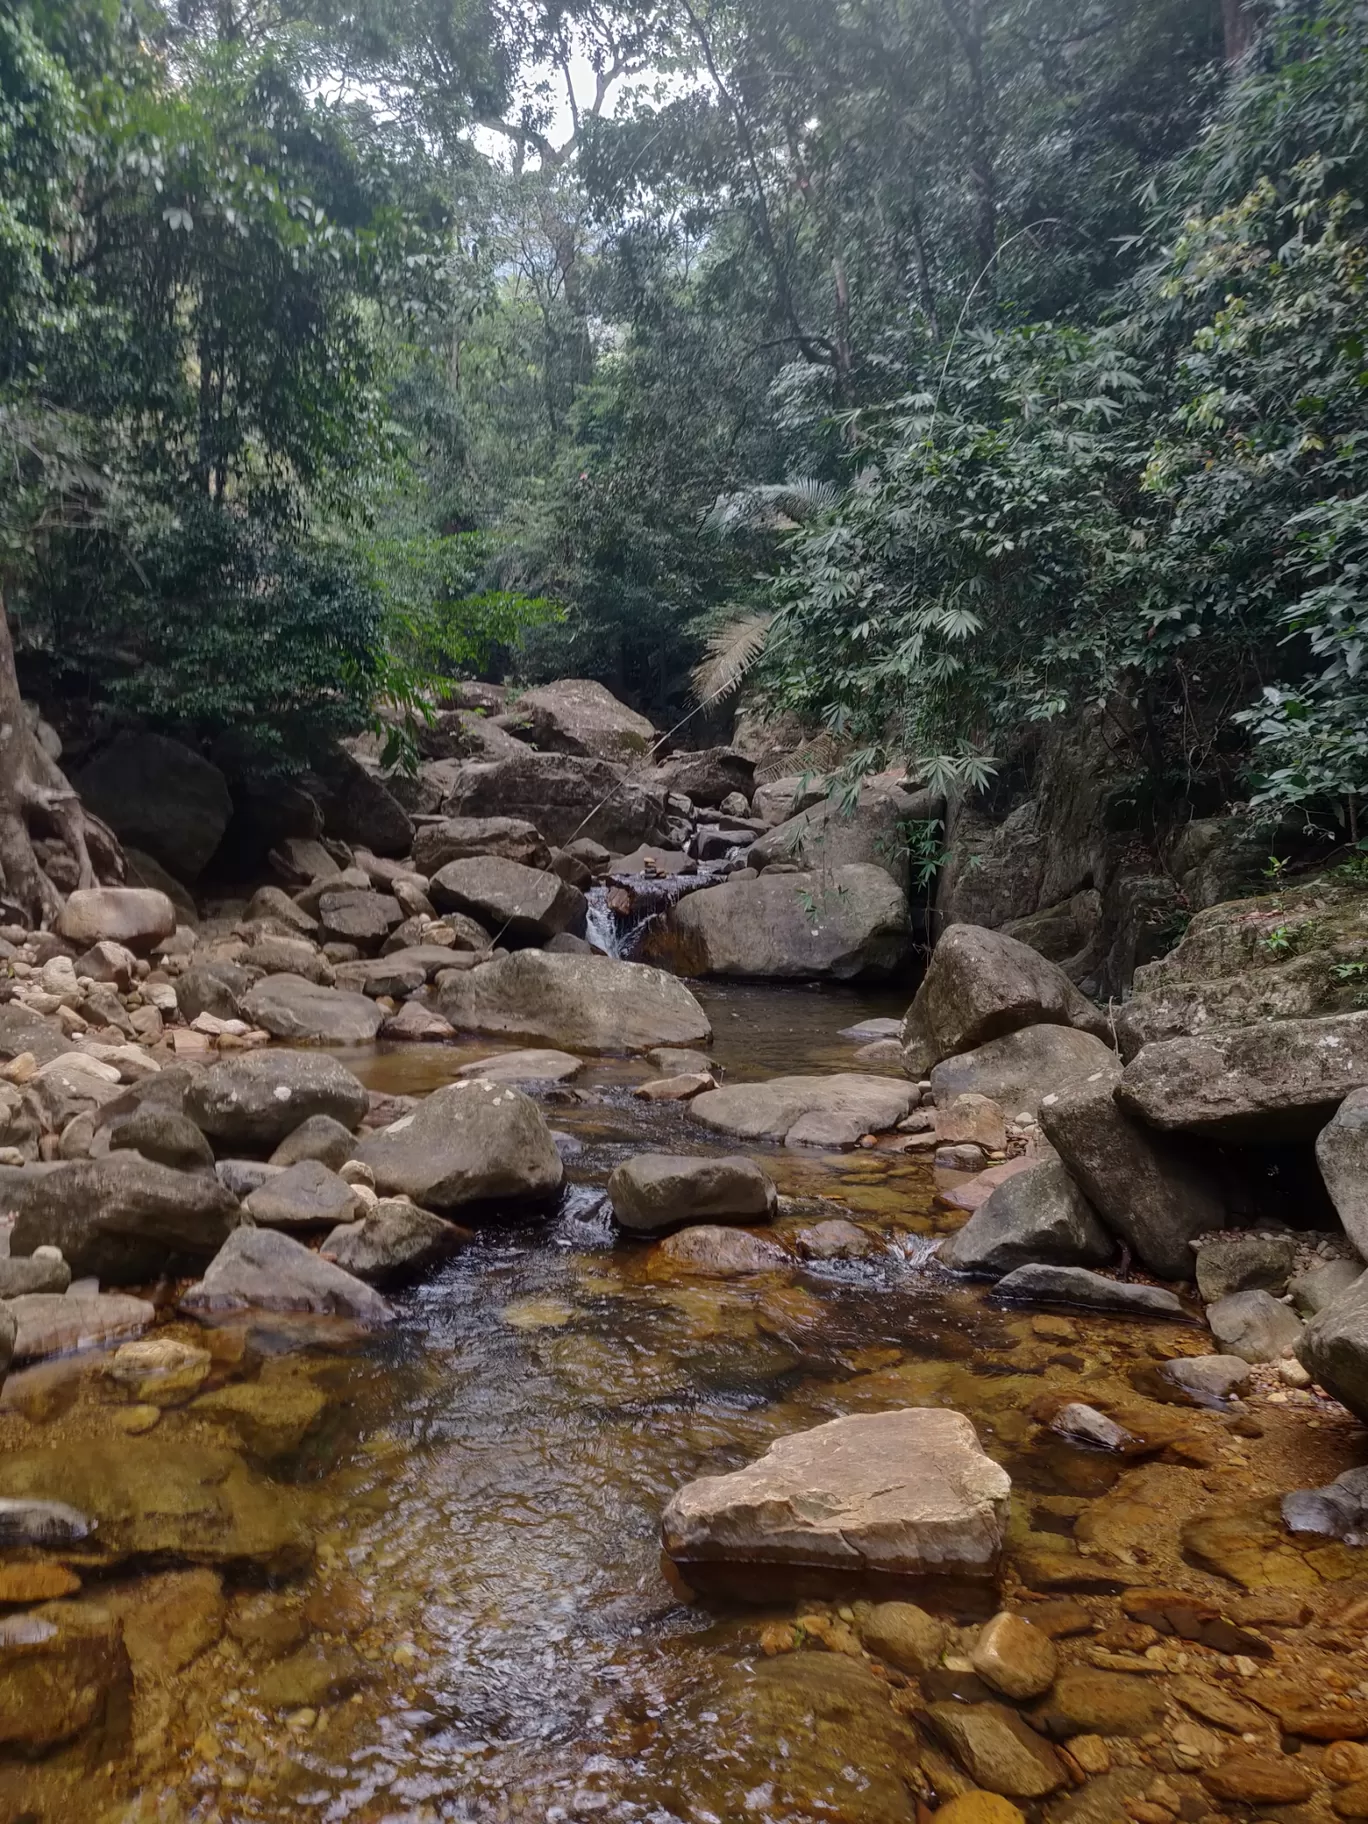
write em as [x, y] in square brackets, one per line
[539, 1066]
[159, 1371]
[1103, 1800]
[518, 905]
[1259, 1779]
[1091, 1291]
[418, 1025]
[42, 1523]
[1018, 1070]
[473, 1142]
[832, 1111]
[22, 1030]
[45, 1271]
[169, 1619]
[906, 1636]
[136, 917]
[1145, 1187]
[835, 1239]
[1342, 1155]
[267, 1621]
[909, 1492]
[980, 1808]
[60, 1666]
[1339, 1510]
[576, 1003]
[241, 1177]
[981, 985]
[289, 1007]
[657, 1191]
[1320, 1286]
[672, 1061]
[1244, 1263]
[394, 1241]
[123, 1219]
[674, 1089]
[261, 1269]
[256, 1100]
[463, 838]
[1015, 1658]
[1082, 1424]
[322, 1138]
[165, 1137]
[1099, 1703]
[1000, 1751]
[1254, 1326]
[837, 924]
[705, 1251]
[303, 1196]
[269, 1417]
[1036, 1215]
[48, 1323]
[314, 1675]
[1210, 1379]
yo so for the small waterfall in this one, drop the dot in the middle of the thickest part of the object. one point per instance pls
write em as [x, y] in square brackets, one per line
[622, 906]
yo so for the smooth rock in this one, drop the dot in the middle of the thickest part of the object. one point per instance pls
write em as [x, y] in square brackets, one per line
[61, 1666]
[565, 796]
[470, 1143]
[517, 905]
[261, 1269]
[1244, 1263]
[60, 1323]
[123, 1219]
[979, 1808]
[1320, 1286]
[350, 916]
[1342, 1155]
[302, 1196]
[835, 1239]
[906, 1636]
[270, 1417]
[136, 917]
[576, 1003]
[159, 796]
[970, 1119]
[1254, 1326]
[525, 1067]
[581, 716]
[1258, 1779]
[1000, 1751]
[657, 1191]
[1333, 1348]
[42, 1272]
[1084, 1702]
[907, 1492]
[842, 924]
[213, 987]
[463, 838]
[1035, 1215]
[1209, 1379]
[1078, 1286]
[320, 1137]
[1015, 1658]
[289, 1007]
[1082, 1424]
[257, 1099]
[705, 1251]
[159, 1371]
[394, 1241]
[834, 1111]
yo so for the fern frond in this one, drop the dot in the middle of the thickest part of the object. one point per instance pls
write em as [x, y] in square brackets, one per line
[732, 650]
[769, 507]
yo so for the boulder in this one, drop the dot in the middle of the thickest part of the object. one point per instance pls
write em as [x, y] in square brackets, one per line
[462, 838]
[471, 1143]
[359, 809]
[906, 1493]
[303, 1196]
[564, 797]
[1001, 1751]
[775, 801]
[970, 1120]
[1321, 1285]
[163, 1136]
[1277, 1081]
[289, 1007]
[1036, 1215]
[1050, 1285]
[525, 1067]
[707, 1251]
[123, 1219]
[319, 1137]
[63, 1671]
[518, 905]
[136, 917]
[60, 1323]
[215, 988]
[1018, 1070]
[1014, 1657]
[44, 1271]
[1333, 1348]
[261, 1269]
[872, 833]
[1208, 1379]
[839, 924]
[706, 776]
[1342, 1155]
[580, 716]
[1254, 1326]
[355, 916]
[980, 985]
[1148, 1188]
[394, 1241]
[160, 796]
[575, 1003]
[657, 1191]
[22, 1030]
[257, 1099]
[834, 1111]
[1244, 1263]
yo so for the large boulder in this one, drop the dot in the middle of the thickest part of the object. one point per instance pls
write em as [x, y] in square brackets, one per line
[136, 917]
[1342, 1155]
[908, 1493]
[580, 716]
[61, 1323]
[350, 915]
[1148, 1188]
[255, 1100]
[707, 776]
[873, 832]
[1279, 1081]
[471, 1143]
[305, 1195]
[518, 905]
[21, 1030]
[214, 987]
[980, 985]
[1020, 1069]
[1333, 1348]
[842, 923]
[263, 1270]
[289, 1007]
[461, 838]
[1036, 1215]
[657, 1191]
[829, 1111]
[1254, 1325]
[358, 808]
[392, 1242]
[124, 1219]
[564, 797]
[159, 795]
[574, 1003]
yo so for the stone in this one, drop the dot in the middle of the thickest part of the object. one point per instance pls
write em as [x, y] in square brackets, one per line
[257, 1099]
[313, 1676]
[842, 925]
[415, 1024]
[1342, 1155]
[61, 1666]
[471, 1143]
[1216, 1706]
[169, 1619]
[136, 917]
[394, 1241]
[1208, 1379]
[1321, 1285]
[159, 1371]
[160, 796]
[106, 962]
[518, 905]
[1333, 1347]
[674, 1089]
[241, 1177]
[980, 985]
[302, 1196]
[123, 1219]
[1015, 1658]
[1345, 1763]
[60, 1323]
[999, 1750]
[1035, 1215]
[525, 1067]
[971, 1120]
[1085, 1702]
[835, 1239]
[581, 716]
[834, 834]
[834, 1111]
[1081, 1424]
[261, 1269]
[657, 1191]
[1339, 1510]
[672, 1061]
[1258, 1779]
[354, 917]
[42, 1582]
[359, 809]
[462, 838]
[591, 1004]
[1244, 1263]
[1091, 1291]
[41, 1523]
[45, 1271]
[707, 775]
[906, 1636]
[213, 987]
[705, 1251]
[1146, 1187]
[1018, 1070]
[268, 1417]
[979, 1808]
[276, 905]
[320, 1137]
[289, 1007]
[163, 1136]
[907, 1493]
[564, 796]
[1254, 1326]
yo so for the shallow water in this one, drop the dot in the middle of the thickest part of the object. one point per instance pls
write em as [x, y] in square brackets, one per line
[486, 1493]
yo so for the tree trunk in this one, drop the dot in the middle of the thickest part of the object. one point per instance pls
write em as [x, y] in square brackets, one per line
[34, 792]
[1235, 20]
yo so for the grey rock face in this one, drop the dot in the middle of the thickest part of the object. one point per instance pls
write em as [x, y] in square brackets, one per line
[1254, 1326]
[45, 1271]
[123, 1219]
[304, 1196]
[460, 838]
[215, 988]
[161, 796]
[264, 1270]
[806, 1111]
[1320, 1286]
[471, 1143]
[1038, 1215]
[1342, 1155]
[658, 1191]
[564, 796]
[257, 1099]
[1079, 1286]
[288, 1007]
[319, 1137]
[1244, 1263]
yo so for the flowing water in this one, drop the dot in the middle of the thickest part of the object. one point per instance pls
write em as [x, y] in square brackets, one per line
[499, 1636]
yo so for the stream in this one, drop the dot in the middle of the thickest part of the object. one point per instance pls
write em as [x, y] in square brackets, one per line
[486, 1489]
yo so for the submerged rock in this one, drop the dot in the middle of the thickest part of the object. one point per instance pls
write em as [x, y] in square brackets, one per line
[1321, 1285]
[539, 1066]
[910, 1493]
[1001, 1751]
[705, 1251]
[1035, 1215]
[60, 1666]
[832, 1111]
[1209, 1379]
[1078, 1286]
[576, 1003]
[48, 1323]
[254, 1101]
[657, 1191]
[1014, 1657]
[470, 1143]
[261, 1269]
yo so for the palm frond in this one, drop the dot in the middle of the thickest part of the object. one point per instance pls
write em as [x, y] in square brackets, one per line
[732, 650]
[769, 507]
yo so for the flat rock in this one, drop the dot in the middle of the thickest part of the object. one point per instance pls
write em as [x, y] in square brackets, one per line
[1035, 1215]
[261, 1269]
[1084, 1702]
[257, 1099]
[1001, 1752]
[394, 1241]
[302, 1196]
[1018, 1070]
[1259, 1779]
[44, 1272]
[1091, 1291]
[123, 1219]
[591, 1004]
[62, 1666]
[909, 1492]
[289, 1007]
[706, 1251]
[834, 1111]
[165, 1137]
[1254, 1326]
[531, 1066]
[53, 1323]
[658, 1191]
